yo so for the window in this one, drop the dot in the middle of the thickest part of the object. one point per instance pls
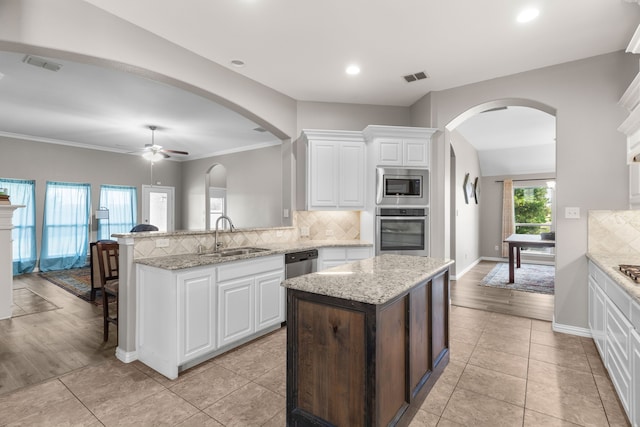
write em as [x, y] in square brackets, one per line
[218, 204]
[22, 192]
[65, 233]
[533, 207]
[122, 204]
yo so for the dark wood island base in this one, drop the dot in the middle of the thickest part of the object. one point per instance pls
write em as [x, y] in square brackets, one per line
[351, 363]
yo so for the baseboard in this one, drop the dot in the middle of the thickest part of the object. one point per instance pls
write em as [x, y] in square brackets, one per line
[571, 330]
[126, 356]
[466, 270]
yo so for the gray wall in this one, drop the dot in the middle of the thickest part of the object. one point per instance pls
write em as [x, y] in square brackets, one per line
[590, 153]
[254, 188]
[467, 215]
[21, 159]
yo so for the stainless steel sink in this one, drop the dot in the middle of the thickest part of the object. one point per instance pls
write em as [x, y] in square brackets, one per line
[234, 252]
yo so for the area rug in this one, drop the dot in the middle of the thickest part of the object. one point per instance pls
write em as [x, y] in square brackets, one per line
[76, 281]
[528, 278]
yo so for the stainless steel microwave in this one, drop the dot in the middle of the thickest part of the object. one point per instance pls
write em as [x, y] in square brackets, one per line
[402, 187]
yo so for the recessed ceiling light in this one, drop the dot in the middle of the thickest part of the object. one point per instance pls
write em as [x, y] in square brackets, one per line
[237, 63]
[352, 70]
[528, 15]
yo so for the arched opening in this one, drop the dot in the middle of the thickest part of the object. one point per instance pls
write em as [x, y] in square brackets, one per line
[502, 140]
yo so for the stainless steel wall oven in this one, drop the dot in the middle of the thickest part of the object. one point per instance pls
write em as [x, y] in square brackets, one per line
[403, 231]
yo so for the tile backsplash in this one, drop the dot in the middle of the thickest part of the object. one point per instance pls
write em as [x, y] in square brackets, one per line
[321, 225]
[329, 225]
[614, 231]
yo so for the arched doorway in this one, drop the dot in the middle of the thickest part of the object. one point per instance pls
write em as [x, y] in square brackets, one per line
[480, 164]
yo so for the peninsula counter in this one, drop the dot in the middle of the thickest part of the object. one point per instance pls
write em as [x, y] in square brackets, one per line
[366, 341]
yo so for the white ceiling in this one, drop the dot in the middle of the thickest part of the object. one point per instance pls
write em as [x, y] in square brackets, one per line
[512, 140]
[301, 49]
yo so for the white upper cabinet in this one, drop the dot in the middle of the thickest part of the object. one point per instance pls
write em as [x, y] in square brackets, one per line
[400, 146]
[332, 175]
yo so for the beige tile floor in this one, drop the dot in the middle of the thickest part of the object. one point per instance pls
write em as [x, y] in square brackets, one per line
[504, 371]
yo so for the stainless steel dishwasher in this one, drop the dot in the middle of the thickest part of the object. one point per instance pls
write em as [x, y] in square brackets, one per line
[299, 263]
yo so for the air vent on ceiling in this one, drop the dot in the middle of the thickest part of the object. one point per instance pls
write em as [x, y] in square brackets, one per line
[415, 77]
[41, 63]
[259, 129]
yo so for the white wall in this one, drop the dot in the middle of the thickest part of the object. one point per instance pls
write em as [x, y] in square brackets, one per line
[467, 215]
[590, 153]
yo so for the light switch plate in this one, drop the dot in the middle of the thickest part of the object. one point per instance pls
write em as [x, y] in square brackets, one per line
[572, 213]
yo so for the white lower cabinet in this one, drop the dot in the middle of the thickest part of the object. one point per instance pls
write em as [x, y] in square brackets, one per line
[333, 257]
[235, 310]
[613, 320]
[196, 314]
[187, 316]
[635, 375]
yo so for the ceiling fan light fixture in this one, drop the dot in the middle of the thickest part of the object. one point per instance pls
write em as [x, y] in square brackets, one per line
[153, 156]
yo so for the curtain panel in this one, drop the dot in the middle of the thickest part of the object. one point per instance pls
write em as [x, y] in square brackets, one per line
[122, 203]
[65, 231]
[23, 192]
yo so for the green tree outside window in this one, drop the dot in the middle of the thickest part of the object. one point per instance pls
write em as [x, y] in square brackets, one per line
[531, 206]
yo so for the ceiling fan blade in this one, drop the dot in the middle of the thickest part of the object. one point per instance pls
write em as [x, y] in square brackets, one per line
[175, 152]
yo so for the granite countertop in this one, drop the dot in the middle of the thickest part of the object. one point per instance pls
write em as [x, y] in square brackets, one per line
[179, 262]
[371, 281]
[609, 264]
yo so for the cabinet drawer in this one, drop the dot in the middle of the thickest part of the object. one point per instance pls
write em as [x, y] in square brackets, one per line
[334, 254]
[250, 267]
[619, 377]
[619, 297]
[598, 275]
[618, 332]
[354, 254]
[635, 315]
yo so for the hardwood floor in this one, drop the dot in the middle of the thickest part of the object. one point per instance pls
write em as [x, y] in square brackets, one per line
[466, 292]
[66, 336]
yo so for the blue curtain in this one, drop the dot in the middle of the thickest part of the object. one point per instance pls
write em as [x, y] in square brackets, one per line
[65, 231]
[122, 204]
[23, 192]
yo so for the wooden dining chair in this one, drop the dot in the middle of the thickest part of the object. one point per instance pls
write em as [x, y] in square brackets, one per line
[107, 254]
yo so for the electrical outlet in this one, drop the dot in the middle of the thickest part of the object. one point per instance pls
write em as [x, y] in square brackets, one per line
[304, 231]
[328, 233]
[162, 243]
[572, 213]
[497, 248]
[285, 213]
[279, 233]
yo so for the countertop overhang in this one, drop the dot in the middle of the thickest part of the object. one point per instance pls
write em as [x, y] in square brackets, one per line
[179, 262]
[609, 264]
[372, 281]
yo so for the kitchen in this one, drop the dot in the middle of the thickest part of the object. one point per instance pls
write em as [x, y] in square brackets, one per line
[590, 99]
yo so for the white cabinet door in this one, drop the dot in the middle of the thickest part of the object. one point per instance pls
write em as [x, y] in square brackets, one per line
[351, 177]
[635, 379]
[235, 310]
[415, 153]
[618, 352]
[196, 314]
[323, 174]
[270, 300]
[390, 152]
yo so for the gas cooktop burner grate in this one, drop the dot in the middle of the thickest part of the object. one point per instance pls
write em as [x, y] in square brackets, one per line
[632, 271]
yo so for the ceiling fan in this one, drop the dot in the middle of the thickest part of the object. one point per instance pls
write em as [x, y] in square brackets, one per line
[154, 152]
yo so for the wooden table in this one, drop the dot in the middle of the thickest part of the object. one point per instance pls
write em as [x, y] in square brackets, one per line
[517, 241]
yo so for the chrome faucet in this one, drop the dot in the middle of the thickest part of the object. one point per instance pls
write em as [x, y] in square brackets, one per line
[215, 242]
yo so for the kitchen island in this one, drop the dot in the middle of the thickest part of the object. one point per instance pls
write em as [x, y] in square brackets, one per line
[366, 341]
